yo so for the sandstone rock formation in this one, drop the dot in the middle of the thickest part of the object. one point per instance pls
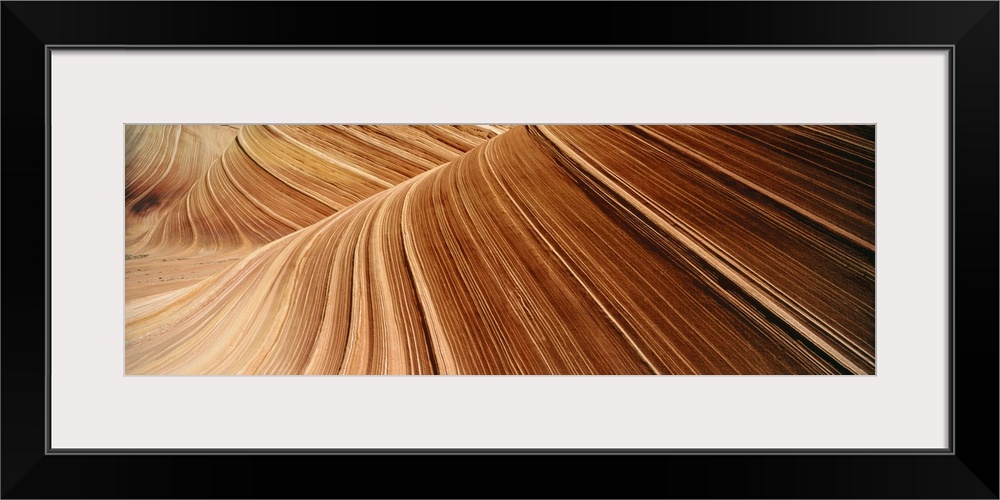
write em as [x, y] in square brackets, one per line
[500, 250]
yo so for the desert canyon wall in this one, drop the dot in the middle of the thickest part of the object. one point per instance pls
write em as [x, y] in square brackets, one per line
[550, 249]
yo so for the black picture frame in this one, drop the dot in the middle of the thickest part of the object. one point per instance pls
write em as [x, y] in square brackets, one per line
[969, 469]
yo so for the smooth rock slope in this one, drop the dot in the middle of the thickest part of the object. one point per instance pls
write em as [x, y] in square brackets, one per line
[541, 250]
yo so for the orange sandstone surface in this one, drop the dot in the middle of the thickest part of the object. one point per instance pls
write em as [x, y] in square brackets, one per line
[500, 250]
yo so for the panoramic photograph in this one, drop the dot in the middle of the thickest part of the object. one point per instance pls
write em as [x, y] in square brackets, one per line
[499, 249]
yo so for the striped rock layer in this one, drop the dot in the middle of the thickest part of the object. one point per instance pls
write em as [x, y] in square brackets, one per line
[534, 250]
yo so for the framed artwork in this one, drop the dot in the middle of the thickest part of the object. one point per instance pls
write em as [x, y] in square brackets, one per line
[666, 250]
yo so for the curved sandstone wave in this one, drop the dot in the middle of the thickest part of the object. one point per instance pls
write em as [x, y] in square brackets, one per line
[194, 205]
[162, 162]
[545, 250]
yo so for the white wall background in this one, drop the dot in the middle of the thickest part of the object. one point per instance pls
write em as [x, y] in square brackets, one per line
[95, 92]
